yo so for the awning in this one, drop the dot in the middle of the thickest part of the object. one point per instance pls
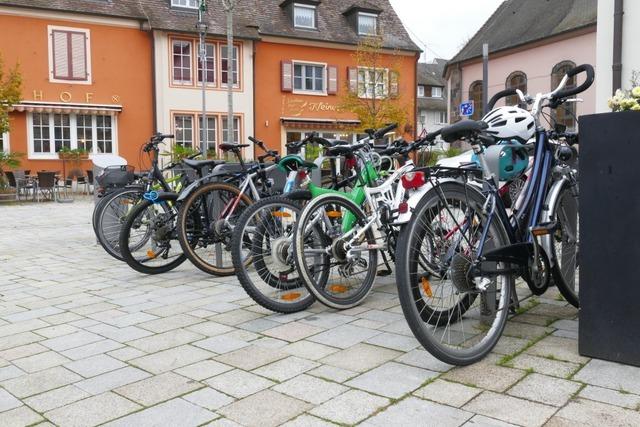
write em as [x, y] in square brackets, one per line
[65, 108]
[319, 124]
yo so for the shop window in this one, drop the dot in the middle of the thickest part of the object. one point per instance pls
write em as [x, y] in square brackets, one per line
[236, 130]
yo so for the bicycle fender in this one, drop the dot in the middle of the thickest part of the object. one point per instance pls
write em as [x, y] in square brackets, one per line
[188, 190]
[551, 202]
[414, 198]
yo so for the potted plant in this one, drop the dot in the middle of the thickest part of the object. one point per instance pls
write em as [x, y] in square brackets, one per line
[8, 161]
[75, 156]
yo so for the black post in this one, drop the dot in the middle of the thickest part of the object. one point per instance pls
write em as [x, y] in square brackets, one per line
[485, 78]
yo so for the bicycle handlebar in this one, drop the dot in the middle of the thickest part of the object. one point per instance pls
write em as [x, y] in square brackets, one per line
[498, 96]
[385, 130]
[562, 93]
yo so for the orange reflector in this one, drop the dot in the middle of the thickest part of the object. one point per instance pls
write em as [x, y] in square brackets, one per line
[338, 289]
[151, 254]
[291, 296]
[281, 214]
[334, 214]
[540, 231]
[126, 201]
[426, 287]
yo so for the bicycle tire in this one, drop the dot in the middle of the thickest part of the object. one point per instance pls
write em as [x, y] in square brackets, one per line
[109, 234]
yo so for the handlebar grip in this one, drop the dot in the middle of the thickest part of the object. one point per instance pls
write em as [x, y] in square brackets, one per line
[591, 76]
[382, 132]
[433, 135]
[498, 96]
[254, 140]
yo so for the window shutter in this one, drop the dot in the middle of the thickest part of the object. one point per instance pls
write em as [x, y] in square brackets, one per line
[60, 54]
[287, 76]
[332, 80]
[394, 89]
[78, 56]
[353, 79]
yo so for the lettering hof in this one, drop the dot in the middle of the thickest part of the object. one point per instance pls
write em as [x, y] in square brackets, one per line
[67, 97]
[297, 107]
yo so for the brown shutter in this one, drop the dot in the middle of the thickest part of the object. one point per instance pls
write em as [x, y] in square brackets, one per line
[394, 88]
[353, 79]
[332, 80]
[287, 76]
[60, 55]
[78, 56]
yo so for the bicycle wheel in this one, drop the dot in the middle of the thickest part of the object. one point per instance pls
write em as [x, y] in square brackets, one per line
[337, 268]
[264, 234]
[112, 215]
[148, 241]
[456, 315]
[565, 245]
[206, 222]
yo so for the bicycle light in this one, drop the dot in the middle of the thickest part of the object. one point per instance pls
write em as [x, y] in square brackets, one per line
[413, 180]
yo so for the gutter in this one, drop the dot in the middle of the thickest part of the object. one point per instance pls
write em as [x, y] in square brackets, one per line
[617, 44]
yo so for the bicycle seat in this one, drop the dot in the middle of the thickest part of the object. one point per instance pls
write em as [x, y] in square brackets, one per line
[463, 129]
[344, 150]
[290, 163]
[201, 164]
[227, 146]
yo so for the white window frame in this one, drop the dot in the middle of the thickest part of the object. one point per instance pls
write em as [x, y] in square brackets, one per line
[231, 70]
[368, 15]
[421, 91]
[436, 89]
[6, 142]
[367, 83]
[194, 130]
[87, 33]
[224, 118]
[215, 131]
[215, 64]
[308, 7]
[324, 66]
[52, 154]
[191, 67]
[186, 5]
[442, 117]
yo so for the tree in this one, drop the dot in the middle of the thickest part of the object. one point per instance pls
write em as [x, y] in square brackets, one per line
[229, 5]
[373, 100]
[10, 92]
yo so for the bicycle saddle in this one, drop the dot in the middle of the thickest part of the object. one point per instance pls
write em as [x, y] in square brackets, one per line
[227, 146]
[291, 162]
[463, 129]
[344, 150]
[200, 164]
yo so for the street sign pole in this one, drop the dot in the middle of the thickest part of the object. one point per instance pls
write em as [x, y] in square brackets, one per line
[485, 78]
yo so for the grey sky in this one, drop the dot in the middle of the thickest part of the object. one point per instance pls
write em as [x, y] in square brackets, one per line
[444, 25]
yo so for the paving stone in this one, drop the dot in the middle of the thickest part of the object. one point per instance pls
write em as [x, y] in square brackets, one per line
[126, 353]
[122, 335]
[8, 372]
[209, 398]
[221, 344]
[39, 382]
[21, 416]
[32, 314]
[584, 412]
[75, 339]
[525, 330]
[510, 409]
[306, 420]
[486, 375]
[40, 361]
[332, 373]
[170, 359]
[392, 379]
[381, 316]
[482, 421]
[268, 342]
[558, 348]
[344, 336]
[610, 375]
[258, 325]
[19, 340]
[360, 357]
[158, 388]
[165, 340]
[92, 349]
[22, 351]
[286, 368]
[111, 380]
[251, 357]
[176, 412]
[544, 366]
[350, 407]
[452, 394]
[203, 370]
[369, 324]
[56, 331]
[8, 401]
[235, 317]
[56, 398]
[510, 345]
[544, 389]
[308, 350]
[23, 326]
[239, 383]
[394, 341]
[310, 389]
[168, 323]
[264, 409]
[552, 310]
[92, 411]
[327, 320]
[223, 422]
[409, 410]
[95, 365]
[612, 397]
[293, 331]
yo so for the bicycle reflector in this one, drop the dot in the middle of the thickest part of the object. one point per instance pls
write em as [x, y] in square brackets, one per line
[413, 180]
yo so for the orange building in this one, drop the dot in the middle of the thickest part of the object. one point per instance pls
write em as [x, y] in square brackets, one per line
[305, 65]
[87, 79]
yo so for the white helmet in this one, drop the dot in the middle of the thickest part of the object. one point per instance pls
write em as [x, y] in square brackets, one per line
[506, 123]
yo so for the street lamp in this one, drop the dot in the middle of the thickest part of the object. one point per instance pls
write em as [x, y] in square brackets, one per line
[201, 26]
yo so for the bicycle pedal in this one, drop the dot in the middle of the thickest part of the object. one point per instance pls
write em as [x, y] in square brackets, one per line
[544, 229]
[383, 273]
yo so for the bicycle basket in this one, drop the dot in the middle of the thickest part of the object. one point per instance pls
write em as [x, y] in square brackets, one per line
[116, 176]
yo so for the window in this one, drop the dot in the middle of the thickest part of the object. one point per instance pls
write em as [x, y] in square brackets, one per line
[69, 58]
[304, 16]
[48, 133]
[183, 125]
[209, 64]
[442, 115]
[308, 78]
[566, 113]
[421, 91]
[436, 92]
[367, 24]
[225, 65]
[236, 130]
[372, 83]
[475, 95]
[4, 142]
[212, 131]
[182, 62]
[516, 80]
[189, 4]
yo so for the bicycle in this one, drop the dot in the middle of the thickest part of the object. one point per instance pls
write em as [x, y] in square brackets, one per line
[462, 250]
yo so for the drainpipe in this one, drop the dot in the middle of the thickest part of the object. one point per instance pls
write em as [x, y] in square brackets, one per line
[617, 44]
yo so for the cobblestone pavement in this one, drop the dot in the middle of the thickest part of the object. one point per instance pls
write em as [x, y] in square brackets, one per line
[85, 341]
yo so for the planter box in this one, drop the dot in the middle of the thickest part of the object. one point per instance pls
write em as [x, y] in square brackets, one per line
[609, 237]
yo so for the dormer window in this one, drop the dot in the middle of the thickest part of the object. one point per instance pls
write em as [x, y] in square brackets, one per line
[367, 24]
[304, 16]
[187, 4]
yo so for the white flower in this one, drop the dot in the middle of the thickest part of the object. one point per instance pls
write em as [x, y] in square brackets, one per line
[635, 92]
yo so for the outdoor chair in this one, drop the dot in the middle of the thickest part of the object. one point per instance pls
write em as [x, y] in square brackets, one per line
[84, 182]
[65, 185]
[90, 180]
[47, 185]
[11, 178]
[24, 184]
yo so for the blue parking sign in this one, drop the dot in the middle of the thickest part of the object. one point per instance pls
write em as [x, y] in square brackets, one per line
[467, 108]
